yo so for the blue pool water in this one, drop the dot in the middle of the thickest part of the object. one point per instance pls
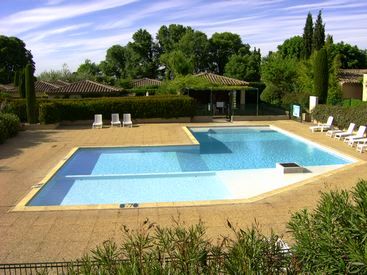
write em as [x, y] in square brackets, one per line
[174, 173]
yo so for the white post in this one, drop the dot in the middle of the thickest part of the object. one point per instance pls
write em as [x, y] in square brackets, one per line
[364, 94]
[314, 100]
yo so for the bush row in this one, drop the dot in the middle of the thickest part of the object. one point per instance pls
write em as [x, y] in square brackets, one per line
[138, 107]
[54, 110]
[329, 240]
[9, 126]
[342, 115]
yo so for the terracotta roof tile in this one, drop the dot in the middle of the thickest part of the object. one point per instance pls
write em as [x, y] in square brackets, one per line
[9, 88]
[85, 87]
[222, 80]
[44, 86]
[351, 75]
[145, 82]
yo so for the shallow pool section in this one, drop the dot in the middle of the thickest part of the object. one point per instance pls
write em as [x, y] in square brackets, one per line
[225, 165]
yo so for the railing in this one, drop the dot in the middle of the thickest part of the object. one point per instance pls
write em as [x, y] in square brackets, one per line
[64, 268]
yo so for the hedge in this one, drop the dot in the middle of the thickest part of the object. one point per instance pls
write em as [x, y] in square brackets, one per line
[138, 107]
[9, 126]
[342, 115]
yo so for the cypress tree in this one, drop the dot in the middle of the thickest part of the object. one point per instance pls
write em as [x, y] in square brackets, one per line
[318, 34]
[16, 79]
[321, 75]
[30, 94]
[308, 36]
[21, 85]
[335, 95]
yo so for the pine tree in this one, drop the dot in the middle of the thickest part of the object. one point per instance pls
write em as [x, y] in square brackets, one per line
[30, 94]
[318, 34]
[335, 95]
[321, 75]
[308, 36]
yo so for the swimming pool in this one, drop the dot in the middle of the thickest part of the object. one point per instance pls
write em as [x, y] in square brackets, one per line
[216, 169]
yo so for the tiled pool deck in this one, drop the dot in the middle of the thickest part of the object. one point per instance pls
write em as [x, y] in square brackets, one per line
[66, 235]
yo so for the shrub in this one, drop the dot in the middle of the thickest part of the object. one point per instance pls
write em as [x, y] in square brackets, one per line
[139, 107]
[333, 239]
[182, 249]
[11, 123]
[342, 115]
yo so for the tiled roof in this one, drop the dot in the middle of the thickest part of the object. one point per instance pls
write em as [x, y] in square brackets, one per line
[59, 83]
[145, 82]
[222, 80]
[9, 88]
[351, 75]
[85, 87]
[44, 86]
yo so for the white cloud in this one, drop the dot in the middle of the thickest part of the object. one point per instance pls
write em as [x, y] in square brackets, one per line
[34, 18]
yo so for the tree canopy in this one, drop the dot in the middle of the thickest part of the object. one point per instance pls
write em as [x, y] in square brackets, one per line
[13, 57]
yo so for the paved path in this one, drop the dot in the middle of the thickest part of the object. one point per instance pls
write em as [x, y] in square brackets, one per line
[66, 235]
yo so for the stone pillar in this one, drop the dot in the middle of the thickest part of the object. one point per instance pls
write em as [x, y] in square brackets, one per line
[364, 93]
[314, 100]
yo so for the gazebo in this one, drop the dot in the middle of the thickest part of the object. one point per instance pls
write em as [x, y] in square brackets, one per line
[225, 96]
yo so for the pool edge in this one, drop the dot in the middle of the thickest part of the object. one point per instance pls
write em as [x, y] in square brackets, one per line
[22, 205]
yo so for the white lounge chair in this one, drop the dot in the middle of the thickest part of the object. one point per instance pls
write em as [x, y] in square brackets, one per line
[323, 126]
[362, 145]
[127, 120]
[331, 133]
[115, 120]
[347, 133]
[98, 123]
[352, 139]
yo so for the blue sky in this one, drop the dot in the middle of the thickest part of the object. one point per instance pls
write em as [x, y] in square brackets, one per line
[65, 31]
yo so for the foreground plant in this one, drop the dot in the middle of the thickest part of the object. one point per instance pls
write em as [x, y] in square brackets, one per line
[333, 239]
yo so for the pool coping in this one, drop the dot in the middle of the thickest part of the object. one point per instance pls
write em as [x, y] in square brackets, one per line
[21, 206]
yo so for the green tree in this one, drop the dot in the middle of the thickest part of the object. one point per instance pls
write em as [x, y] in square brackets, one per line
[88, 70]
[293, 47]
[222, 46]
[195, 45]
[281, 78]
[308, 36]
[244, 67]
[177, 63]
[318, 40]
[30, 94]
[114, 64]
[16, 78]
[141, 57]
[321, 75]
[351, 57]
[168, 37]
[64, 74]
[335, 95]
[13, 57]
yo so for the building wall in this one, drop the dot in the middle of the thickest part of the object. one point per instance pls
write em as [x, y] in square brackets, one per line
[352, 90]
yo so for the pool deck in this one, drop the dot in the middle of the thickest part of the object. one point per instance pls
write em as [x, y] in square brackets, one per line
[65, 235]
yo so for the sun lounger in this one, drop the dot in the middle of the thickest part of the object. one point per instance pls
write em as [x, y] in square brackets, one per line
[323, 126]
[347, 133]
[127, 120]
[115, 120]
[352, 139]
[361, 145]
[331, 133]
[98, 123]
